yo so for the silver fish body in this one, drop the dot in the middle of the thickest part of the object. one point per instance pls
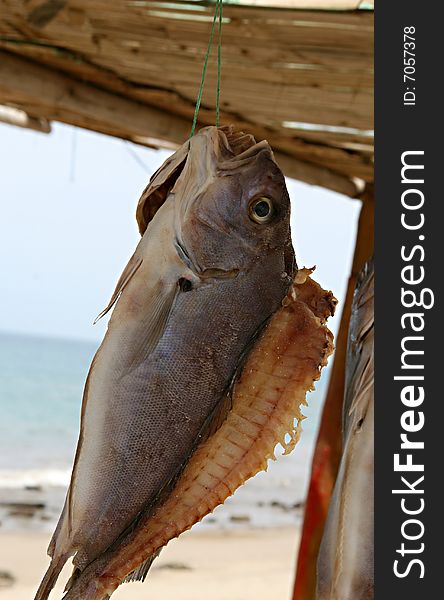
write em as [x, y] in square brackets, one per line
[345, 569]
[203, 280]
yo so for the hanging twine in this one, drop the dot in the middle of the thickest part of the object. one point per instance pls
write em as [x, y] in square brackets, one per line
[217, 11]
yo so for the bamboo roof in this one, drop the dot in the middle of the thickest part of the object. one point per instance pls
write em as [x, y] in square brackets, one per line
[298, 73]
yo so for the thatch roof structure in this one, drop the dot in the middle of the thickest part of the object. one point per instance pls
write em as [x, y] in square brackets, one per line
[296, 72]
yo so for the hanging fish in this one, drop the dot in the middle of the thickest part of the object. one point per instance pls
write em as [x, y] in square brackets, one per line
[162, 441]
[345, 567]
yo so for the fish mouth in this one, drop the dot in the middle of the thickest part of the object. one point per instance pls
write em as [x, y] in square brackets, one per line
[240, 160]
[240, 145]
[212, 273]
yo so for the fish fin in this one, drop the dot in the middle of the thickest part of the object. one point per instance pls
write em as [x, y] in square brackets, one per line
[51, 577]
[159, 186]
[141, 572]
[128, 272]
[74, 576]
[154, 323]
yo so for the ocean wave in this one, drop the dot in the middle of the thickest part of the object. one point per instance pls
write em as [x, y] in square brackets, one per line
[34, 477]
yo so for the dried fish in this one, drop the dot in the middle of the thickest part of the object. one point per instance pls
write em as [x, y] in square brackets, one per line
[207, 357]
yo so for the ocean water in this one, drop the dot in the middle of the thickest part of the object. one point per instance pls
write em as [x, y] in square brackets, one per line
[41, 386]
[41, 383]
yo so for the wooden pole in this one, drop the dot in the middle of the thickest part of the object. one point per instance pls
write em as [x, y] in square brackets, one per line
[328, 446]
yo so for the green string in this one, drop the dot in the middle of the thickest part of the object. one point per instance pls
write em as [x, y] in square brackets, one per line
[219, 42]
[217, 10]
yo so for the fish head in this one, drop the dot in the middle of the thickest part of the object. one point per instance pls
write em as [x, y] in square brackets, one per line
[232, 204]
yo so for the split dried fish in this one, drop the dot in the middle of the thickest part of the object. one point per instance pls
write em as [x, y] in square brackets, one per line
[209, 351]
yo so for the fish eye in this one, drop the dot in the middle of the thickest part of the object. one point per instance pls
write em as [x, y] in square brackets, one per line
[261, 210]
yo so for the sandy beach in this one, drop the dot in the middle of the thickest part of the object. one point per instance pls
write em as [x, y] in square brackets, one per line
[200, 565]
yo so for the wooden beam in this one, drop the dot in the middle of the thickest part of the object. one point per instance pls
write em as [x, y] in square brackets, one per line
[18, 118]
[57, 97]
[329, 443]
[315, 175]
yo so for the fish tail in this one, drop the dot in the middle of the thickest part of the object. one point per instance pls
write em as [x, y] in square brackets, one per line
[50, 577]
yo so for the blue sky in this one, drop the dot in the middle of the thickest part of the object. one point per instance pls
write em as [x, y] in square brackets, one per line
[67, 227]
